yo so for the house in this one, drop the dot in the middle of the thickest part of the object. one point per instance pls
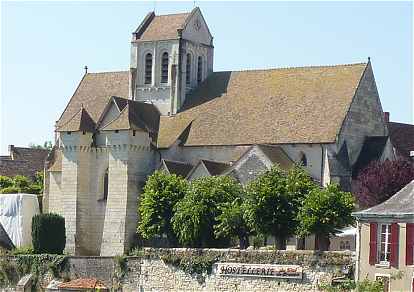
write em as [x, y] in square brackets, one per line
[170, 110]
[402, 138]
[23, 161]
[385, 241]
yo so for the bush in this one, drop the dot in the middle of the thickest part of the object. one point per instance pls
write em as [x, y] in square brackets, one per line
[5, 182]
[10, 190]
[21, 181]
[48, 233]
[24, 250]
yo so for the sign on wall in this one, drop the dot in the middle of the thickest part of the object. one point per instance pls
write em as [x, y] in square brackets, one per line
[259, 270]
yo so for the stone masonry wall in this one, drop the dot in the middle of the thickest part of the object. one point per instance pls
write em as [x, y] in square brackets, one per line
[158, 270]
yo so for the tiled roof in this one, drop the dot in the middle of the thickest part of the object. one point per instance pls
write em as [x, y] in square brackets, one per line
[84, 283]
[23, 161]
[135, 115]
[399, 205]
[81, 121]
[55, 160]
[402, 137]
[288, 105]
[94, 92]
[277, 156]
[177, 167]
[164, 27]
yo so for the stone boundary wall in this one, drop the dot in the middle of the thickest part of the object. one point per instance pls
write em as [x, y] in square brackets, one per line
[195, 270]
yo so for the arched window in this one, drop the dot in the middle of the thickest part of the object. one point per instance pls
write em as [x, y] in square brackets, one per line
[304, 160]
[199, 69]
[188, 70]
[105, 184]
[148, 68]
[164, 68]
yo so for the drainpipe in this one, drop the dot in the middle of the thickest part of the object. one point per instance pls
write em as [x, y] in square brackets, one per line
[358, 251]
[322, 165]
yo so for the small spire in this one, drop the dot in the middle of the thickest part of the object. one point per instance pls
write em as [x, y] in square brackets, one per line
[369, 59]
[86, 69]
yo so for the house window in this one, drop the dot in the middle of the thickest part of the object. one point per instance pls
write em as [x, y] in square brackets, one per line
[105, 184]
[164, 68]
[188, 70]
[384, 243]
[148, 68]
[199, 69]
[304, 160]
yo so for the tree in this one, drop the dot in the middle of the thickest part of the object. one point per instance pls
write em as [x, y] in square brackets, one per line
[47, 145]
[195, 215]
[380, 180]
[231, 222]
[161, 193]
[324, 211]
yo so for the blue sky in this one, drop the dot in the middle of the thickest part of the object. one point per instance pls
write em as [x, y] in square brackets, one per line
[45, 45]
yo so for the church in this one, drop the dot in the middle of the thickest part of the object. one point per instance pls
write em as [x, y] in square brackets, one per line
[171, 111]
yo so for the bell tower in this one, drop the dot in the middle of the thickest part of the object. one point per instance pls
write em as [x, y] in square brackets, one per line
[170, 56]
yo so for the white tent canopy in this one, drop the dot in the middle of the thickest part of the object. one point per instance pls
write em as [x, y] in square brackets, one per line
[16, 212]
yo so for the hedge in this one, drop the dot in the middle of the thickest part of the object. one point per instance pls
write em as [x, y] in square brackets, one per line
[48, 233]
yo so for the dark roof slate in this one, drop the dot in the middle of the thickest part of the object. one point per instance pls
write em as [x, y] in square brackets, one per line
[177, 167]
[402, 137]
[400, 205]
[5, 241]
[371, 150]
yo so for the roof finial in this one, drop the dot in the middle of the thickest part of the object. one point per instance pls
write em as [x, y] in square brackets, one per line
[86, 69]
[369, 59]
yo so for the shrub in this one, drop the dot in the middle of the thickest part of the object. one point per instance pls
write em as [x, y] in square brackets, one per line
[22, 250]
[10, 190]
[48, 233]
[5, 182]
[21, 181]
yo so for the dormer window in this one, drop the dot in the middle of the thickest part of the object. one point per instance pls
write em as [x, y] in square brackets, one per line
[148, 68]
[199, 69]
[164, 68]
[188, 70]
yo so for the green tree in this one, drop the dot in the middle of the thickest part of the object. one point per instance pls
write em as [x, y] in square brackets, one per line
[5, 182]
[47, 145]
[231, 222]
[196, 213]
[324, 212]
[161, 193]
[273, 202]
[21, 182]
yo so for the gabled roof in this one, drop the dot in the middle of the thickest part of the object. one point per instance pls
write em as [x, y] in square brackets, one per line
[212, 167]
[176, 167]
[400, 205]
[288, 105]
[81, 121]
[134, 115]
[402, 137]
[371, 150]
[161, 27]
[94, 92]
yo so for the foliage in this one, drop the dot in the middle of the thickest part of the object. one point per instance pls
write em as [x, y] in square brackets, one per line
[380, 180]
[231, 222]
[21, 184]
[274, 199]
[24, 250]
[5, 182]
[10, 190]
[47, 145]
[325, 211]
[161, 193]
[121, 269]
[48, 233]
[191, 264]
[195, 215]
[350, 285]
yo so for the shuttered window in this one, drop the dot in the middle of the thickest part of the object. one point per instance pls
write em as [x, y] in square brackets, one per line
[394, 242]
[164, 68]
[409, 245]
[373, 243]
[148, 69]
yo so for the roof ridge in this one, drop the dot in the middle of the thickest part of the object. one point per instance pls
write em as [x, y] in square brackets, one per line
[105, 72]
[173, 14]
[296, 67]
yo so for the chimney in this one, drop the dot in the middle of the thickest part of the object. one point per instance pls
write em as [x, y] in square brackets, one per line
[11, 150]
[387, 116]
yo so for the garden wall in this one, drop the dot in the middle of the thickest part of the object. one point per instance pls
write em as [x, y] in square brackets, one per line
[198, 270]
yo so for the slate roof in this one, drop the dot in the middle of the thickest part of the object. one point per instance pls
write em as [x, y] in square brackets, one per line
[161, 27]
[402, 137]
[400, 205]
[177, 167]
[371, 150]
[288, 105]
[23, 161]
[94, 92]
[215, 167]
[5, 241]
